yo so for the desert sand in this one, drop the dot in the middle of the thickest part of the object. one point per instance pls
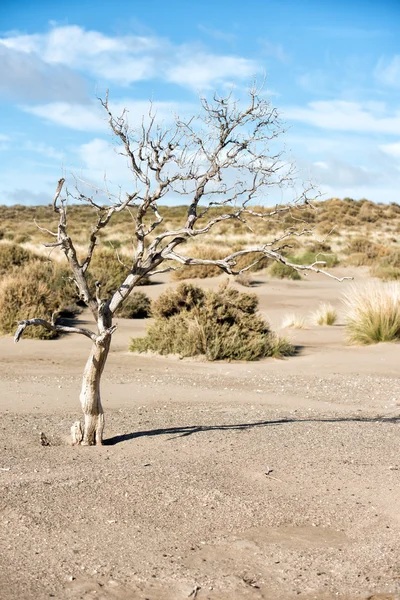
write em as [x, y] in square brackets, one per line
[276, 479]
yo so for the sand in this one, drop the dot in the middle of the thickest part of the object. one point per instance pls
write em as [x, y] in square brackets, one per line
[276, 479]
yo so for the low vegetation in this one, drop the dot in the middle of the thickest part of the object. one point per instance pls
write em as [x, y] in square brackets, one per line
[109, 269]
[38, 289]
[294, 321]
[279, 270]
[325, 314]
[373, 313]
[137, 306]
[218, 325]
[13, 256]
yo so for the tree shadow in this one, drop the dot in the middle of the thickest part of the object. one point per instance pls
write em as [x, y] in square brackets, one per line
[186, 430]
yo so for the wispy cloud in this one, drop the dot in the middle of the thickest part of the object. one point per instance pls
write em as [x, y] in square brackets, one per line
[340, 115]
[352, 33]
[217, 34]
[27, 76]
[275, 50]
[92, 118]
[43, 149]
[126, 59]
[391, 149]
[388, 71]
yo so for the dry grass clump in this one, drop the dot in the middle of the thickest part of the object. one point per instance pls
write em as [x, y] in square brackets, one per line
[13, 256]
[294, 321]
[201, 271]
[137, 306]
[219, 325]
[325, 314]
[373, 313]
[37, 290]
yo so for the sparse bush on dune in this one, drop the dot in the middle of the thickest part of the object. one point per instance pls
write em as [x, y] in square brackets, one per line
[388, 267]
[138, 306]
[373, 313]
[308, 257]
[185, 297]
[110, 269]
[279, 270]
[219, 325]
[12, 256]
[38, 289]
[325, 314]
[201, 271]
[245, 279]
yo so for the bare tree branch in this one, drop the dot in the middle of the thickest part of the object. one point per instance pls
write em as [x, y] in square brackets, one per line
[22, 325]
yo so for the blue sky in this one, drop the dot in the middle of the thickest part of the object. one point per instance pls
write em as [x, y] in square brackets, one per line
[332, 67]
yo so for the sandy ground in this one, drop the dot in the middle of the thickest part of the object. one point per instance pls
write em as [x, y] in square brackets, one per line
[273, 480]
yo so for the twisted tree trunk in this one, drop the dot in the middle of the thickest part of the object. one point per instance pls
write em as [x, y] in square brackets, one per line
[92, 432]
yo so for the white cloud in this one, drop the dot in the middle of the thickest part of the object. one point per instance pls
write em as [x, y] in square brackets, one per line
[74, 116]
[204, 71]
[93, 117]
[126, 59]
[26, 76]
[388, 73]
[391, 149]
[44, 149]
[340, 115]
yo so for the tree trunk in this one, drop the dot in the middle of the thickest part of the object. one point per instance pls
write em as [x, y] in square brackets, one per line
[90, 396]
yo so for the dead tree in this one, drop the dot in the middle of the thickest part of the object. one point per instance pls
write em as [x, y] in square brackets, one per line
[223, 163]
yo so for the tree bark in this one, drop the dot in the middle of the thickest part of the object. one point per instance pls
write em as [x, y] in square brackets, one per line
[90, 394]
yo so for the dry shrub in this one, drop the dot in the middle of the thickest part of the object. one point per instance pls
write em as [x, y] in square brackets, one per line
[260, 262]
[137, 306]
[110, 270]
[201, 271]
[388, 267]
[325, 314]
[12, 256]
[244, 279]
[373, 313]
[37, 290]
[294, 321]
[219, 325]
[361, 251]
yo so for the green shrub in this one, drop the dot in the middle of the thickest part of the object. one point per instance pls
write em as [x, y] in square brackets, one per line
[281, 271]
[12, 255]
[308, 258]
[137, 306]
[219, 325]
[373, 313]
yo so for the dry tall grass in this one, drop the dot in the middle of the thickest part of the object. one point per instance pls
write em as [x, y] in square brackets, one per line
[325, 314]
[294, 321]
[373, 313]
